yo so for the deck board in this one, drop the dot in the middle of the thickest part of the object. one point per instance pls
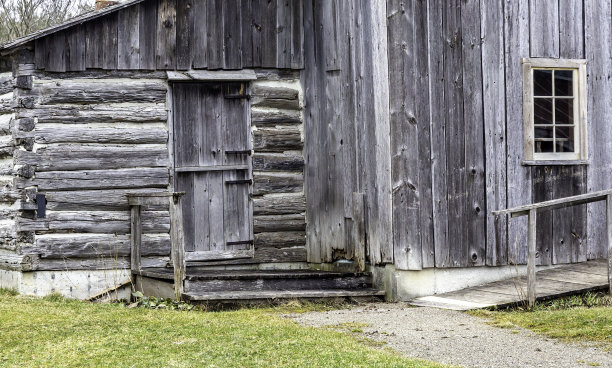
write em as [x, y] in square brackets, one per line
[551, 283]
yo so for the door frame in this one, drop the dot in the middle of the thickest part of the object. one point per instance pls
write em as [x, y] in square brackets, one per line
[244, 77]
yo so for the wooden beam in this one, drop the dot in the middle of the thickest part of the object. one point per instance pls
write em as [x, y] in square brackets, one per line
[556, 203]
[213, 75]
[178, 246]
[136, 238]
[609, 230]
[531, 257]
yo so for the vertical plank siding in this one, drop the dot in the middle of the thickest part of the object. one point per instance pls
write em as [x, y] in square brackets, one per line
[181, 35]
[598, 52]
[471, 131]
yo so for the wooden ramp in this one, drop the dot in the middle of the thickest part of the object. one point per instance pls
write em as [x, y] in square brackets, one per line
[550, 283]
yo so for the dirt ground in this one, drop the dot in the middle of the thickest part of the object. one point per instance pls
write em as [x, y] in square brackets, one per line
[455, 338]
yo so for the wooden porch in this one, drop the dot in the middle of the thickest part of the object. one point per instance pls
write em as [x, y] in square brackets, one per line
[551, 283]
[188, 280]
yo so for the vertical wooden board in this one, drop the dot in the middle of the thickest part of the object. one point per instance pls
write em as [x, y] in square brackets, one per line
[232, 35]
[214, 34]
[579, 215]
[147, 33]
[187, 120]
[236, 131]
[542, 191]
[598, 51]
[216, 195]
[544, 28]
[283, 34]
[516, 31]
[235, 216]
[128, 30]
[165, 54]
[178, 94]
[380, 232]
[347, 105]
[404, 136]
[57, 52]
[185, 183]
[311, 142]
[247, 33]
[438, 134]
[41, 52]
[201, 215]
[494, 102]
[475, 215]
[256, 36]
[76, 48]
[571, 29]
[297, 34]
[94, 44]
[184, 34]
[109, 42]
[422, 113]
[562, 219]
[268, 33]
[329, 25]
[212, 141]
[199, 35]
[455, 134]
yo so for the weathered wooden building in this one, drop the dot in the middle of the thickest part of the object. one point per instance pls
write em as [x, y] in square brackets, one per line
[306, 134]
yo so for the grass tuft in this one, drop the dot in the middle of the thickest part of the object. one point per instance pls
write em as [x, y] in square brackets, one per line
[8, 292]
[586, 317]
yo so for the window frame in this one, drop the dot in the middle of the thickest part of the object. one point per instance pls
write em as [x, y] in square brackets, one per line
[580, 156]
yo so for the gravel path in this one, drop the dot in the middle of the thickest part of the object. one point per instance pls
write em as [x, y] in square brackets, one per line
[457, 338]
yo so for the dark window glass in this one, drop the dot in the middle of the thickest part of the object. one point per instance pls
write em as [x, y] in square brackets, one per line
[564, 83]
[544, 146]
[543, 132]
[542, 82]
[564, 132]
[543, 111]
[565, 145]
[564, 111]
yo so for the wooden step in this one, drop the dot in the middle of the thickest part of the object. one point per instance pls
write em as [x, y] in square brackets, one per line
[275, 280]
[235, 296]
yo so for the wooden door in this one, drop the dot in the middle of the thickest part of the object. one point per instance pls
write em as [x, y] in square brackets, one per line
[212, 156]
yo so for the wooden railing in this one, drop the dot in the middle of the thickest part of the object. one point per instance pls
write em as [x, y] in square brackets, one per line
[531, 212]
[136, 201]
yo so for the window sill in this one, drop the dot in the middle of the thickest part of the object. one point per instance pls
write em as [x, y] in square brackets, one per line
[555, 163]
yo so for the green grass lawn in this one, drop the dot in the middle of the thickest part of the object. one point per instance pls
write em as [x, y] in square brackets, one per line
[585, 317]
[54, 332]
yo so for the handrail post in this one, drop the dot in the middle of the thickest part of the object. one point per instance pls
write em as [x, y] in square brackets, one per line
[609, 231]
[135, 240]
[531, 258]
[178, 247]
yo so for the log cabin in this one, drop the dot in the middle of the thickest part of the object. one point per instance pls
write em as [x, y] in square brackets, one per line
[258, 149]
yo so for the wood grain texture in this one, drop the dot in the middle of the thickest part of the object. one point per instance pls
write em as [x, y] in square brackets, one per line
[544, 28]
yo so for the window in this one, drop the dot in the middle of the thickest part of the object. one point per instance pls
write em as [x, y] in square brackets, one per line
[554, 103]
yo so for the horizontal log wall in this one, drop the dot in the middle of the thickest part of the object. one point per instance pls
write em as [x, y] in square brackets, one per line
[8, 194]
[86, 140]
[181, 34]
[278, 169]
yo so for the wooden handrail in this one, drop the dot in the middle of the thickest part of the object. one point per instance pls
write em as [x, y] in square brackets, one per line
[136, 201]
[531, 212]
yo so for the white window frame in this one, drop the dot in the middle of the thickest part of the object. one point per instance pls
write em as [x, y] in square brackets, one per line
[580, 112]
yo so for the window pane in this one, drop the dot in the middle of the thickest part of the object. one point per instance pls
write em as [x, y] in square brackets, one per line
[542, 82]
[543, 132]
[565, 132]
[564, 111]
[544, 146]
[542, 110]
[564, 83]
[565, 146]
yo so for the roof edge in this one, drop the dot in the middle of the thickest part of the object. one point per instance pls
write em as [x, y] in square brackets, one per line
[80, 19]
